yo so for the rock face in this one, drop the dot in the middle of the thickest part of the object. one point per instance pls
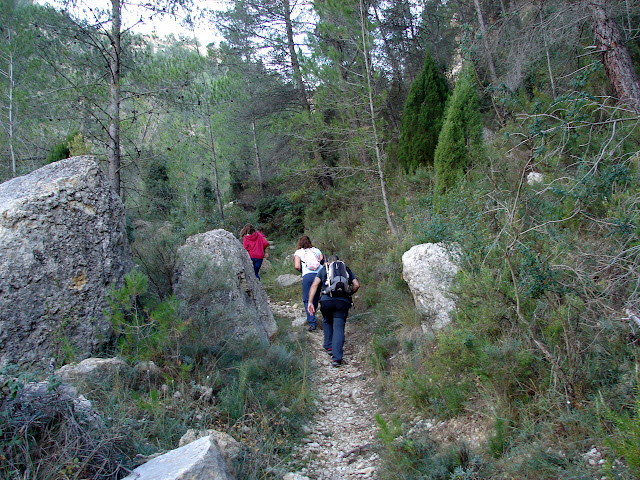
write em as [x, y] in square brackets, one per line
[428, 269]
[62, 245]
[288, 279]
[198, 460]
[214, 278]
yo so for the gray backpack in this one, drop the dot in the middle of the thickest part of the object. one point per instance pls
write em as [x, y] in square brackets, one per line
[337, 283]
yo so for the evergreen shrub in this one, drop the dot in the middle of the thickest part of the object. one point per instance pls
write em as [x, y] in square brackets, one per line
[61, 150]
[422, 117]
[459, 141]
[281, 216]
[154, 247]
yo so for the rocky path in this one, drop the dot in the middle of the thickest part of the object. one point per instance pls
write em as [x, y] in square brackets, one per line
[340, 444]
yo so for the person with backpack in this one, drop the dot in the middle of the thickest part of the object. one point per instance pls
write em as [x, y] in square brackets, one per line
[307, 259]
[255, 243]
[336, 283]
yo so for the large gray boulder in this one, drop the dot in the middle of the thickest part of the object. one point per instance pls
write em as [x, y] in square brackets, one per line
[199, 460]
[214, 279]
[429, 269]
[62, 245]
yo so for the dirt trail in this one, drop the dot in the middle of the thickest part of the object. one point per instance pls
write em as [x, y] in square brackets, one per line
[340, 443]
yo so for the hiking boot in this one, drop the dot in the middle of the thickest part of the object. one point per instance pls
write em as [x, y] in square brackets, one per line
[312, 328]
[336, 363]
[329, 351]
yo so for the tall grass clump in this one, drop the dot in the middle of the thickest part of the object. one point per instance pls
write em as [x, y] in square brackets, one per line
[46, 433]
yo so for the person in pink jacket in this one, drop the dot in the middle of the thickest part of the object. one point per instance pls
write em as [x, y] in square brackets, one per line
[255, 243]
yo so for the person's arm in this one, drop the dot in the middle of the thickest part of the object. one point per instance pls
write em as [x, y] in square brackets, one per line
[296, 263]
[355, 285]
[312, 293]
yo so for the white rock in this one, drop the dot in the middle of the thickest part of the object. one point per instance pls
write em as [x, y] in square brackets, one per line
[288, 280]
[295, 476]
[197, 460]
[299, 322]
[95, 369]
[428, 269]
[535, 177]
[228, 445]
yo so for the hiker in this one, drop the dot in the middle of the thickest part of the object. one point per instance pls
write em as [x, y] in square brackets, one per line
[308, 260]
[260, 229]
[337, 283]
[255, 243]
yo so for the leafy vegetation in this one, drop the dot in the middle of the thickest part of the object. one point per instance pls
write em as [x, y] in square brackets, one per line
[528, 170]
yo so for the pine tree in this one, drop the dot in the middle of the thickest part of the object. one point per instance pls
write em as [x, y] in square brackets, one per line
[422, 117]
[460, 136]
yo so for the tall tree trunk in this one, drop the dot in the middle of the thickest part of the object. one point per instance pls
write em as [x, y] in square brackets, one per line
[295, 64]
[551, 79]
[383, 185]
[214, 163]
[114, 98]
[617, 61]
[324, 178]
[257, 154]
[395, 68]
[485, 41]
[11, 119]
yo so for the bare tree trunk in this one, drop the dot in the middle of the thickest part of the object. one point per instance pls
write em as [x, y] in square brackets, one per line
[295, 64]
[214, 162]
[383, 185]
[485, 40]
[395, 68]
[323, 178]
[114, 98]
[553, 82]
[11, 120]
[8, 74]
[617, 61]
[257, 154]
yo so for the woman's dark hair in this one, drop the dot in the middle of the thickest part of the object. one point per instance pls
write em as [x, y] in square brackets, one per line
[247, 230]
[304, 242]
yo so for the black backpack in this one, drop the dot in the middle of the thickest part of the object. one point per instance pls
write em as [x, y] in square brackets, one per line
[337, 283]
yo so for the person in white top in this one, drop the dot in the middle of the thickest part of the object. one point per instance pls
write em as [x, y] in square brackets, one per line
[308, 260]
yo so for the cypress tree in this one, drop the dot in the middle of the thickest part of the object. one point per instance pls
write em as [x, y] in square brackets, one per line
[422, 117]
[461, 133]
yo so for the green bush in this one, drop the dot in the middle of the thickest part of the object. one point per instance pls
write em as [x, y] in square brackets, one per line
[460, 137]
[422, 117]
[141, 333]
[62, 149]
[281, 216]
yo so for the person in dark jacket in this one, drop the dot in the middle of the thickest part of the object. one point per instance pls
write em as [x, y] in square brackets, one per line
[255, 243]
[335, 310]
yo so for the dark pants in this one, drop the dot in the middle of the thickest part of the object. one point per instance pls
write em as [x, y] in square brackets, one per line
[334, 313]
[307, 280]
[257, 263]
